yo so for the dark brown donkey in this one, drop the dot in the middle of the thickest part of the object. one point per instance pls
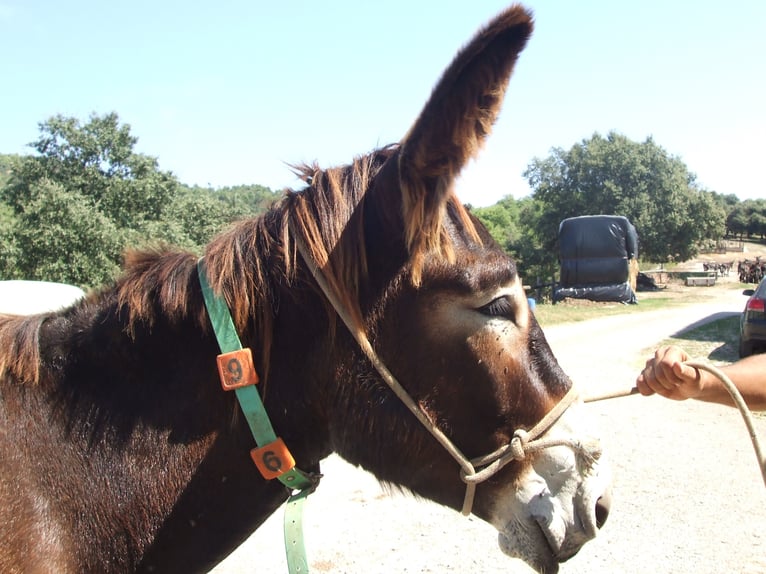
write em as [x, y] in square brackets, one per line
[119, 451]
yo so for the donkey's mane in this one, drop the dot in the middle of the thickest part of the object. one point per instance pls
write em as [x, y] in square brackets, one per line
[247, 264]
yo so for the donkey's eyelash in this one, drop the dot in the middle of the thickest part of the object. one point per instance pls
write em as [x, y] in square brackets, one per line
[500, 307]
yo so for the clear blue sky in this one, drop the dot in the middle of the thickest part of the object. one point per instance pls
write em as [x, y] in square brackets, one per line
[228, 92]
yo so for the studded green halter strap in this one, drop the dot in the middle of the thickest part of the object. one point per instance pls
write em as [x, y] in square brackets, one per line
[273, 459]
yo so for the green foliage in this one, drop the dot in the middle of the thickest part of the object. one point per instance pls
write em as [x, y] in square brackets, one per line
[501, 220]
[68, 212]
[9, 251]
[80, 199]
[97, 161]
[62, 236]
[6, 165]
[511, 223]
[245, 200]
[536, 263]
[728, 201]
[198, 213]
[617, 176]
[194, 216]
[748, 218]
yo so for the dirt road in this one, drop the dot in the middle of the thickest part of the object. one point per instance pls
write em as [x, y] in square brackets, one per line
[688, 494]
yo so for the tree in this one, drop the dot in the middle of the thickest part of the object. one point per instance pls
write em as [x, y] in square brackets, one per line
[68, 212]
[501, 220]
[61, 236]
[81, 199]
[192, 219]
[9, 251]
[6, 165]
[756, 217]
[747, 218]
[736, 221]
[536, 264]
[97, 161]
[512, 223]
[245, 200]
[615, 175]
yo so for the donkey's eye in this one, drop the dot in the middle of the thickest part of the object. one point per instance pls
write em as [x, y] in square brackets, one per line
[500, 307]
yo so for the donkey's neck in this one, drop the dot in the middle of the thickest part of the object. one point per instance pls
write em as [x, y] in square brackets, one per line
[158, 471]
[223, 503]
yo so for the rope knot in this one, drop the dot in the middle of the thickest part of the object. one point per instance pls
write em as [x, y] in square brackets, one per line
[518, 444]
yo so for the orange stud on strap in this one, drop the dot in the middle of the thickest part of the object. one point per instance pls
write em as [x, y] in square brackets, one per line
[236, 369]
[273, 459]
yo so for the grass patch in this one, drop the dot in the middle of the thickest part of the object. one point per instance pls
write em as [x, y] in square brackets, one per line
[574, 311]
[716, 341]
[676, 295]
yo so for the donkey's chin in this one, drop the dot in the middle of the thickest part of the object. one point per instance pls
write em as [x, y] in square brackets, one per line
[534, 542]
[530, 546]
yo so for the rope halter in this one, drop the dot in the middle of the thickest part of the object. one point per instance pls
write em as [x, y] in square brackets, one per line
[523, 442]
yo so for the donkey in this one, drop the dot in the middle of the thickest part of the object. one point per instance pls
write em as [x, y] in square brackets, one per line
[120, 451]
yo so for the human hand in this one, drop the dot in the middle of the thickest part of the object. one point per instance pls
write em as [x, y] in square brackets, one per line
[667, 375]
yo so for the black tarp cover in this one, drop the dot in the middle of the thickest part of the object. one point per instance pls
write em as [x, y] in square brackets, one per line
[618, 292]
[594, 252]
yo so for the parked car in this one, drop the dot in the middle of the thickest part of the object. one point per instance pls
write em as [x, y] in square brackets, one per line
[752, 323]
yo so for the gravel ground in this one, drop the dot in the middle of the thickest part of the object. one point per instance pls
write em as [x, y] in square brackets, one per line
[688, 496]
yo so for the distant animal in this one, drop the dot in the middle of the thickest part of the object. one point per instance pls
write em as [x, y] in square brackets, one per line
[646, 283]
[720, 269]
[751, 271]
[120, 451]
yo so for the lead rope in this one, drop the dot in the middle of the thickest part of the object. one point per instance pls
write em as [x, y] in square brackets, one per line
[522, 443]
[743, 409]
[736, 396]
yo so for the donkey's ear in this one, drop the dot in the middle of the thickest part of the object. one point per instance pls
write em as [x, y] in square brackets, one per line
[454, 124]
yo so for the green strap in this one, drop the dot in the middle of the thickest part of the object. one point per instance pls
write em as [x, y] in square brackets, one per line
[260, 426]
[293, 529]
[248, 397]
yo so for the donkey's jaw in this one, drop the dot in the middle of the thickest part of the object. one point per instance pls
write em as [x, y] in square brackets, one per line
[551, 510]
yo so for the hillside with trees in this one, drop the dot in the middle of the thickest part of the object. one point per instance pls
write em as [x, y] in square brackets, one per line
[610, 175]
[69, 209]
[747, 219]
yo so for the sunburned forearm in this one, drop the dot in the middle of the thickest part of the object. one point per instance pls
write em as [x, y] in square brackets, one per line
[749, 375]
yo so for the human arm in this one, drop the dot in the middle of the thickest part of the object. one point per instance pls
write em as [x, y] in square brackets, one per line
[667, 375]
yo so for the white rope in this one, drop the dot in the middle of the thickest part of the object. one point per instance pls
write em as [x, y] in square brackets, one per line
[747, 416]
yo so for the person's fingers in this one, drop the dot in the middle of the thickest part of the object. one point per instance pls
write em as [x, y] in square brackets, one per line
[660, 374]
[666, 374]
[642, 383]
[685, 372]
[650, 380]
[642, 386]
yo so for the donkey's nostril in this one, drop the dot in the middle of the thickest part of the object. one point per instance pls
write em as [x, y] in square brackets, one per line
[603, 504]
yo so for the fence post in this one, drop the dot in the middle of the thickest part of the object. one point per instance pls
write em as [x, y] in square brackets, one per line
[538, 289]
[553, 290]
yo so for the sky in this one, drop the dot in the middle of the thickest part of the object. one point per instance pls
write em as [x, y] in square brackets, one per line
[233, 91]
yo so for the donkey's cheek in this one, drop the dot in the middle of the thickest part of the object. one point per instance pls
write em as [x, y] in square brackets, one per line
[499, 349]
